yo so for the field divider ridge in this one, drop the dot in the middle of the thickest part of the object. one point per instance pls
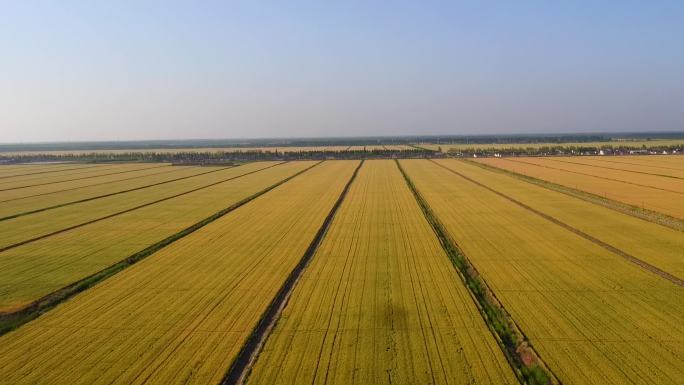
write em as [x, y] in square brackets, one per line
[11, 321]
[12, 246]
[420, 148]
[107, 195]
[624, 208]
[241, 366]
[81, 178]
[643, 264]
[527, 364]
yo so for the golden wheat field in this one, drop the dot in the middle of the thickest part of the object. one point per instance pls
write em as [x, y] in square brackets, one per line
[379, 293]
[558, 270]
[663, 194]
[593, 316]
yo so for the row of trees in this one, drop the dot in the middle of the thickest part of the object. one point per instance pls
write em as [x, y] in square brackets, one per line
[217, 157]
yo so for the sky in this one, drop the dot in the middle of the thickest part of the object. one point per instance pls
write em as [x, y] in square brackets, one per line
[139, 70]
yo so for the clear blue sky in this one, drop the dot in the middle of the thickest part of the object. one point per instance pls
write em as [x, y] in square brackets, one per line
[72, 70]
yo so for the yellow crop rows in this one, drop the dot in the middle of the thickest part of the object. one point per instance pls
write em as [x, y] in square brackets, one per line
[181, 315]
[12, 170]
[380, 302]
[594, 317]
[72, 174]
[18, 201]
[41, 267]
[650, 165]
[441, 271]
[28, 227]
[664, 183]
[633, 189]
[655, 244]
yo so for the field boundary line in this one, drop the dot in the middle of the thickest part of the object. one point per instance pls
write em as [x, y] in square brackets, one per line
[241, 366]
[46, 172]
[641, 263]
[613, 168]
[107, 195]
[594, 176]
[624, 208]
[82, 178]
[11, 321]
[12, 246]
[417, 147]
[526, 363]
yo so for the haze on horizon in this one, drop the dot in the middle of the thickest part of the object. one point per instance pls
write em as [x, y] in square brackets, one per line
[76, 71]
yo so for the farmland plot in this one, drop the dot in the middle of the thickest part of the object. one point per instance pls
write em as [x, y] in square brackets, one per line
[79, 173]
[669, 161]
[38, 268]
[380, 302]
[659, 182]
[19, 201]
[666, 202]
[26, 228]
[594, 317]
[628, 164]
[652, 243]
[7, 171]
[181, 315]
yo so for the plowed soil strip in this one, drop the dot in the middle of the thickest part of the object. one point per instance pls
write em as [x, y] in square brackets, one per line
[614, 168]
[593, 176]
[245, 359]
[107, 195]
[81, 178]
[131, 209]
[637, 212]
[49, 171]
[645, 265]
[10, 321]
